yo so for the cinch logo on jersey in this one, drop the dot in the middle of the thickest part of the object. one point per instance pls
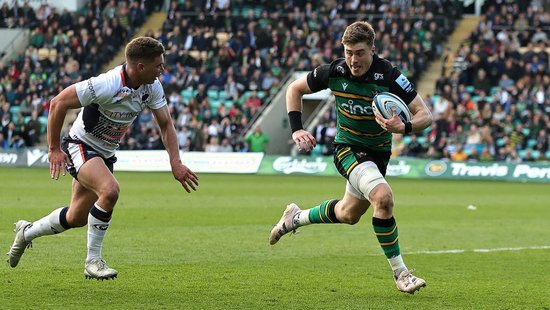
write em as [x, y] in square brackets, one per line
[356, 109]
[404, 83]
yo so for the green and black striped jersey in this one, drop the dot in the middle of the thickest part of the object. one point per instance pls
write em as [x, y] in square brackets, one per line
[355, 117]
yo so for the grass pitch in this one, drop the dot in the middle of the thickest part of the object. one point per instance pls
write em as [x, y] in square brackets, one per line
[209, 249]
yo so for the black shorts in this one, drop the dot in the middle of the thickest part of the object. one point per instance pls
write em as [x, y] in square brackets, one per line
[79, 153]
[347, 157]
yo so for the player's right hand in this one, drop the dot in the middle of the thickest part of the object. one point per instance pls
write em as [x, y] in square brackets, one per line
[58, 163]
[304, 140]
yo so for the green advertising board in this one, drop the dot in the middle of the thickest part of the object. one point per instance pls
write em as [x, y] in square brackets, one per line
[416, 168]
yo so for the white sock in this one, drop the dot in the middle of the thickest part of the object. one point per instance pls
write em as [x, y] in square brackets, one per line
[97, 229]
[302, 218]
[48, 225]
[397, 264]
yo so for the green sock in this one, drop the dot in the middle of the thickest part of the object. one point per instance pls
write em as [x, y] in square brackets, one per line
[387, 235]
[323, 213]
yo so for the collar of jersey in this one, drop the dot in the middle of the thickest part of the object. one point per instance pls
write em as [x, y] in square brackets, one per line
[126, 82]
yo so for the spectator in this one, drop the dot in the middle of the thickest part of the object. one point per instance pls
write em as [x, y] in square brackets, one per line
[257, 140]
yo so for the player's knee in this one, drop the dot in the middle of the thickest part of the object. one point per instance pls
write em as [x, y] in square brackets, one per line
[110, 192]
[366, 177]
[382, 198]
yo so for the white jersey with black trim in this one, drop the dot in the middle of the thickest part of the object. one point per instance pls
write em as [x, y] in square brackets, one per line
[110, 107]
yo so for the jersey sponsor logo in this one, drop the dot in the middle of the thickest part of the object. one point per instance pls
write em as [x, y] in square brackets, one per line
[404, 83]
[378, 76]
[121, 115]
[340, 69]
[356, 109]
[344, 85]
[92, 90]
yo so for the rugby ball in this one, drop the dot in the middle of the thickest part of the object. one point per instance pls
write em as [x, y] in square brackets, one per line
[383, 103]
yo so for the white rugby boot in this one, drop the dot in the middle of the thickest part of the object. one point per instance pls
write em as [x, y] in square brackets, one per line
[19, 244]
[97, 269]
[285, 225]
[408, 283]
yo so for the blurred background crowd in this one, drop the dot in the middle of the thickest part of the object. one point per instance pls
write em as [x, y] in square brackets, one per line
[226, 58]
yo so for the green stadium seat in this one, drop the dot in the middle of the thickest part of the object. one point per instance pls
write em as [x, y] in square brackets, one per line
[14, 109]
[521, 154]
[531, 143]
[547, 155]
[407, 140]
[44, 122]
[421, 140]
[500, 142]
[214, 104]
[187, 94]
[212, 94]
[222, 95]
[476, 99]
[526, 131]
[536, 154]
[470, 88]
[493, 90]
[228, 103]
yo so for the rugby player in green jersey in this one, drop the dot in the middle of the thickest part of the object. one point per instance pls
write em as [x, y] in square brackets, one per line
[362, 143]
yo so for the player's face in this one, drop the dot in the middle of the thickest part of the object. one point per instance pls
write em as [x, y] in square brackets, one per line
[151, 71]
[358, 58]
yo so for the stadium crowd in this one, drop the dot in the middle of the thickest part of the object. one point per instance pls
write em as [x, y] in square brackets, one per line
[226, 58]
[493, 101]
[63, 48]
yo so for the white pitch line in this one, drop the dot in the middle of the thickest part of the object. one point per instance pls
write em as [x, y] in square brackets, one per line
[543, 247]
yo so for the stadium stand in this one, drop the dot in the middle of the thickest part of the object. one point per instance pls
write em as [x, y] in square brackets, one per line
[64, 48]
[225, 59]
[496, 91]
[224, 63]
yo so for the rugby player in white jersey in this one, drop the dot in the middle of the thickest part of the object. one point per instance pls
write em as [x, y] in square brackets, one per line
[110, 103]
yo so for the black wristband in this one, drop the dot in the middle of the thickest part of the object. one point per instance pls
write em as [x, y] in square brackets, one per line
[295, 118]
[408, 127]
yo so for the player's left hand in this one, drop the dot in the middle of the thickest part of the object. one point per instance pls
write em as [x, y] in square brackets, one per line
[393, 125]
[188, 179]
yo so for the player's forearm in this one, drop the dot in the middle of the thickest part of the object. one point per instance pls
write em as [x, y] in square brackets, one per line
[421, 120]
[56, 117]
[293, 98]
[170, 141]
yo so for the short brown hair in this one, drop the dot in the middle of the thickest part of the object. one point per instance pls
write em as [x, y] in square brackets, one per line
[143, 49]
[358, 32]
